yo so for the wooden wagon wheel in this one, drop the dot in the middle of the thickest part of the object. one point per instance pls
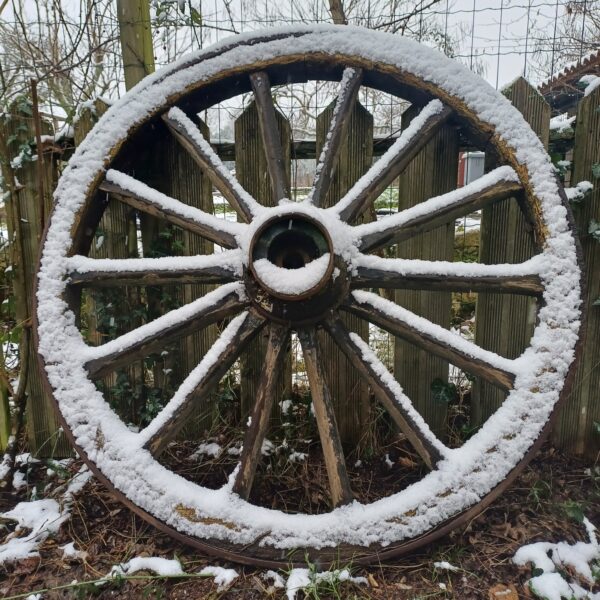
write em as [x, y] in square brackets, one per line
[332, 268]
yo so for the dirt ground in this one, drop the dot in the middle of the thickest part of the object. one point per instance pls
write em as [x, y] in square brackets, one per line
[547, 503]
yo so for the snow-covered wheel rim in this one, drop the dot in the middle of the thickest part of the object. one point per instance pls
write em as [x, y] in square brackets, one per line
[463, 480]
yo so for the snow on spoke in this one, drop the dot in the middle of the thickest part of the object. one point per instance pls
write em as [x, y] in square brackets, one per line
[190, 137]
[223, 302]
[338, 128]
[496, 185]
[223, 267]
[376, 272]
[141, 196]
[254, 437]
[388, 392]
[267, 121]
[433, 338]
[372, 184]
[201, 381]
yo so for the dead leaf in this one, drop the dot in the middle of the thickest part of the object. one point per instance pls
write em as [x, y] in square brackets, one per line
[503, 592]
[372, 581]
[26, 566]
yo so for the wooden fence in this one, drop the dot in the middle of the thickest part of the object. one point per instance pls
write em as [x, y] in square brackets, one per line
[503, 324]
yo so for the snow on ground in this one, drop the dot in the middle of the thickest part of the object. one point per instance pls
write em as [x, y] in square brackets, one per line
[42, 518]
[156, 564]
[307, 580]
[223, 577]
[566, 568]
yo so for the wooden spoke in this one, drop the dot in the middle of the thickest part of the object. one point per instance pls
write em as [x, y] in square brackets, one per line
[210, 269]
[339, 484]
[336, 135]
[141, 196]
[496, 185]
[433, 338]
[372, 184]
[190, 137]
[387, 391]
[151, 337]
[377, 272]
[279, 336]
[261, 87]
[202, 380]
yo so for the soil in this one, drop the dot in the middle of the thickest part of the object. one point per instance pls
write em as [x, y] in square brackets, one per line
[546, 503]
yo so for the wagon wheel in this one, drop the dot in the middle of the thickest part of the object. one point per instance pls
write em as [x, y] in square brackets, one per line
[334, 266]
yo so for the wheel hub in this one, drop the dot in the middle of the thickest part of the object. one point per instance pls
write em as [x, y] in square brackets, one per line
[293, 273]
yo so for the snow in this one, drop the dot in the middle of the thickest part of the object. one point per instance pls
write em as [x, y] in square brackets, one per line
[161, 566]
[292, 282]
[579, 192]
[591, 82]
[305, 579]
[562, 123]
[207, 449]
[69, 551]
[230, 260]
[466, 474]
[406, 137]
[557, 559]
[445, 566]
[42, 517]
[276, 578]
[223, 577]
[405, 218]
[217, 165]
[164, 202]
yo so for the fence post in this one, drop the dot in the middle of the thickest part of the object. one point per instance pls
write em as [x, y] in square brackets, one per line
[349, 392]
[504, 323]
[252, 172]
[182, 178]
[578, 427]
[28, 214]
[432, 172]
[116, 237]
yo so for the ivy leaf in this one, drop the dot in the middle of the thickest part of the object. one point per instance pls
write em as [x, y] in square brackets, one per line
[596, 170]
[196, 17]
[443, 391]
[574, 511]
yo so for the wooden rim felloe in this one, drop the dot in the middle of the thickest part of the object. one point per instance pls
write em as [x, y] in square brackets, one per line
[461, 481]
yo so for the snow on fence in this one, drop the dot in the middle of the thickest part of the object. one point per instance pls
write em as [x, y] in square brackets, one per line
[502, 324]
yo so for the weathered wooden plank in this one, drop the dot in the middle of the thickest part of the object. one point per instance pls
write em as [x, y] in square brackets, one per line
[504, 324]
[227, 355]
[425, 340]
[196, 144]
[433, 213]
[333, 453]
[26, 214]
[394, 161]
[170, 327]
[252, 172]
[432, 172]
[349, 392]
[183, 179]
[269, 130]
[383, 392]
[336, 134]
[577, 428]
[374, 277]
[149, 201]
[277, 347]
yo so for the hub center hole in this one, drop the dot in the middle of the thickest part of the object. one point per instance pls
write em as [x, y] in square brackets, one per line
[292, 249]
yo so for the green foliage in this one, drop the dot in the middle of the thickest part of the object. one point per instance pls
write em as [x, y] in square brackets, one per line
[596, 170]
[444, 391]
[574, 511]
[540, 492]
